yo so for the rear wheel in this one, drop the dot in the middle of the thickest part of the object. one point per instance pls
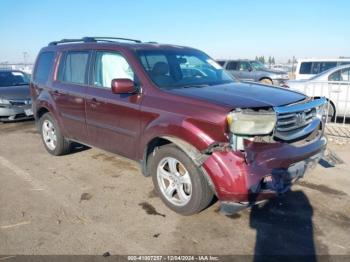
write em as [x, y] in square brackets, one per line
[179, 183]
[54, 142]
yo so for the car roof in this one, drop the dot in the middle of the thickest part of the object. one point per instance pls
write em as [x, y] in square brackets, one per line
[10, 70]
[322, 60]
[233, 60]
[110, 43]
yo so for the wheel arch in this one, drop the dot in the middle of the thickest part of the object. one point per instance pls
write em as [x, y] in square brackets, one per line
[265, 77]
[192, 152]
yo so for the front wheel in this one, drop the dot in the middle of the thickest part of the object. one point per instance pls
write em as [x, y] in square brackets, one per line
[179, 183]
[266, 81]
[330, 112]
[54, 142]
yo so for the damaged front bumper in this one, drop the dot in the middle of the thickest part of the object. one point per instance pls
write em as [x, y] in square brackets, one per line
[262, 171]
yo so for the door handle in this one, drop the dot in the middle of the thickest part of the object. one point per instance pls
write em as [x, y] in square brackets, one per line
[94, 102]
[56, 94]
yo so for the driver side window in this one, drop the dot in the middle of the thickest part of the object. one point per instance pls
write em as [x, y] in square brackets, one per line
[243, 66]
[109, 66]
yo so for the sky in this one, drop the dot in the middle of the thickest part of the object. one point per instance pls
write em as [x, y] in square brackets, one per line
[221, 28]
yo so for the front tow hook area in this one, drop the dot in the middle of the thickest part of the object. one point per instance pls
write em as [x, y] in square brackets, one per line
[278, 182]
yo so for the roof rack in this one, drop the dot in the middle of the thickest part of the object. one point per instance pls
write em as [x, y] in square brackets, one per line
[89, 39]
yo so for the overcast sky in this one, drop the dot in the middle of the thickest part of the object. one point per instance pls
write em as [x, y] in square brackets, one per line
[222, 28]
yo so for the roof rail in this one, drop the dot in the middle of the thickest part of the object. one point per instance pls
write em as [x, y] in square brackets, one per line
[89, 39]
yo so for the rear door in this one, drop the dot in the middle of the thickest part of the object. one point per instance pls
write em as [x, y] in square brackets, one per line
[113, 120]
[69, 93]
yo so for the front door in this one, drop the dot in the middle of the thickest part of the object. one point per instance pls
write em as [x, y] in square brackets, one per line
[113, 120]
[245, 71]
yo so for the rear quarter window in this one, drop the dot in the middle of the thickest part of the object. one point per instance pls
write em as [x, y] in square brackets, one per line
[222, 63]
[44, 67]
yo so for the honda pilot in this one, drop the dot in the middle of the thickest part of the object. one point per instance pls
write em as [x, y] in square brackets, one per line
[195, 129]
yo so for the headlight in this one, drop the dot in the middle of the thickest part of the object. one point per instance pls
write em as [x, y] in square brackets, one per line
[252, 122]
[4, 101]
[321, 111]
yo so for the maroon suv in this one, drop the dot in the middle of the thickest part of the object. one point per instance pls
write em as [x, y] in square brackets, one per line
[197, 131]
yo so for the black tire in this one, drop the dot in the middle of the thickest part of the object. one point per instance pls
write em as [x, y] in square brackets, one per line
[201, 194]
[266, 81]
[331, 112]
[62, 144]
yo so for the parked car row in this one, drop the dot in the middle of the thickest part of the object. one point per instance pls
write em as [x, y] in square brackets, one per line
[251, 70]
[334, 84]
[190, 124]
[314, 77]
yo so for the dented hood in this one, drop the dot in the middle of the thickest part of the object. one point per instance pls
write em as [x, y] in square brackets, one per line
[242, 95]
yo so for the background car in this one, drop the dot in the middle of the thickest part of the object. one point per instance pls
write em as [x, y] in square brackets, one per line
[333, 84]
[15, 102]
[251, 70]
[307, 68]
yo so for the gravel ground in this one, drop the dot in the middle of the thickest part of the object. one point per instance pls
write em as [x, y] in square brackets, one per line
[92, 202]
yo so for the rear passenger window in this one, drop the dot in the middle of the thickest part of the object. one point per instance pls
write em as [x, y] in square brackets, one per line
[73, 67]
[44, 66]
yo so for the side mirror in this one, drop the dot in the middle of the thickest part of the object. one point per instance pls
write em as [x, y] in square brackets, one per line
[250, 69]
[123, 86]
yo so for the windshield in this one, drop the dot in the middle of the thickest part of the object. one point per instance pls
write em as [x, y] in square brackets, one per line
[13, 78]
[170, 69]
[257, 65]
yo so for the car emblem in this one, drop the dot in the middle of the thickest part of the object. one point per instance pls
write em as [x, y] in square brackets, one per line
[300, 119]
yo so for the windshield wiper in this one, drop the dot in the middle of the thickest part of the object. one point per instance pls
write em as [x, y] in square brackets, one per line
[194, 85]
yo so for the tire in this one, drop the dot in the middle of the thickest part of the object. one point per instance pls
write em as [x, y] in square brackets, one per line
[55, 143]
[331, 112]
[266, 81]
[193, 196]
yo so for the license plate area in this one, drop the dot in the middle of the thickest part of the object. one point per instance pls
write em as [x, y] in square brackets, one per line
[28, 112]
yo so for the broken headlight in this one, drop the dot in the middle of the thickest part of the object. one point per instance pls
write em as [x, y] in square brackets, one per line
[251, 123]
[321, 111]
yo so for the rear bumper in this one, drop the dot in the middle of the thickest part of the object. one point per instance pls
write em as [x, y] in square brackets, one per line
[264, 170]
[14, 113]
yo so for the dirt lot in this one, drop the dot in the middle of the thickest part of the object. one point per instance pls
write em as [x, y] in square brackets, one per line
[91, 202]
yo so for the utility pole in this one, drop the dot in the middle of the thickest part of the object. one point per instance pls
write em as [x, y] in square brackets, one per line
[25, 55]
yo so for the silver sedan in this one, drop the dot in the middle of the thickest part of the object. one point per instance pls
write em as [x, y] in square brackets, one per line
[15, 102]
[334, 84]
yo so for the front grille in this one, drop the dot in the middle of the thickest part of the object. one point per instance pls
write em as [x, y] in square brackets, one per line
[298, 120]
[292, 121]
[20, 102]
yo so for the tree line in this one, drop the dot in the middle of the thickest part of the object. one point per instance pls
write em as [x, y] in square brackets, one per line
[270, 60]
